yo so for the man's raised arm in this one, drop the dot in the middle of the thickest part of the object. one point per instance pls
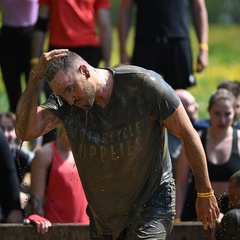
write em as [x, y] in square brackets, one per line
[33, 121]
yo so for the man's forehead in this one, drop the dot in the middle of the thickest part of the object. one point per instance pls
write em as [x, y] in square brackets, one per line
[63, 77]
[60, 82]
[60, 74]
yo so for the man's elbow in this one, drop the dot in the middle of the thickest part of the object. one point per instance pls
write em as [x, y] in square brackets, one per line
[23, 135]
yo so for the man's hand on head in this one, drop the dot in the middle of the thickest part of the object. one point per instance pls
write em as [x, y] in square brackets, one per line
[46, 58]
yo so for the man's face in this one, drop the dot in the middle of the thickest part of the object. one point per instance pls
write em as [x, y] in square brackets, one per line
[75, 88]
[234, 195]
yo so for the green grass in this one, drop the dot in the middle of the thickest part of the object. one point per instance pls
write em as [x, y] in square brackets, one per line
[4, 106]
[224, 62]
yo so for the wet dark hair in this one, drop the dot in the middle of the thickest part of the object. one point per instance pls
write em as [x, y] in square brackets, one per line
[65, 64]
[230, 226]
[236, 178]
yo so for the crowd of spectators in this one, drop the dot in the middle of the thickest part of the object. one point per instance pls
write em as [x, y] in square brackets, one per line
[29, 175]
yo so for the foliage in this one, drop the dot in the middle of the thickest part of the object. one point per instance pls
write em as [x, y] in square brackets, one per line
[224, 11]
[224, 62]
[219, 11]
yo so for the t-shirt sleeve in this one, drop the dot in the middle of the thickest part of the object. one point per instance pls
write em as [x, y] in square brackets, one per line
[53, 104]
[161, 99]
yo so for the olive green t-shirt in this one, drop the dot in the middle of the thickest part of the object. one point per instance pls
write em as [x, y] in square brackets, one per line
[121, 151]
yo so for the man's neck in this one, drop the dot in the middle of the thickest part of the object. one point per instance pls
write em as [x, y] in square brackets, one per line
[104, 87]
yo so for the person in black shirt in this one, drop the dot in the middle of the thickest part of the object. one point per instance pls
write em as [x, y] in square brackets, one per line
[162, 38]
[10, 209]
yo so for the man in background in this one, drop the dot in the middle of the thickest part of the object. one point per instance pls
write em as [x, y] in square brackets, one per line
[162, 39]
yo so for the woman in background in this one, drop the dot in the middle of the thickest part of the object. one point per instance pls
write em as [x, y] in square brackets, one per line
[221, 143]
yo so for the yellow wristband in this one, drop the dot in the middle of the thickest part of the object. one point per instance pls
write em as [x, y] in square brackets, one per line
[177, 220]
[205, 195]
[34, 60]
[203, 46]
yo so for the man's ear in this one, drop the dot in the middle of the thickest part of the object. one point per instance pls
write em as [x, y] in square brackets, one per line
[84, 70]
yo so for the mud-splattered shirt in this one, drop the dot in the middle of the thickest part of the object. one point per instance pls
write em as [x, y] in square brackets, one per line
[121, 151]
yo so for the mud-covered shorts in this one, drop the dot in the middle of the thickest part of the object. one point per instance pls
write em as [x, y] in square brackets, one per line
[153, 221]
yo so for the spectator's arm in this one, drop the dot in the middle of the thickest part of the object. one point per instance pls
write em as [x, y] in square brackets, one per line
[200, 20]
[15, 216]
[39, 175]
[105, 34]
[124, 23]
[39, 33]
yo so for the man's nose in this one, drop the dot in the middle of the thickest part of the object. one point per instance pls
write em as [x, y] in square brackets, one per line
[70, 99]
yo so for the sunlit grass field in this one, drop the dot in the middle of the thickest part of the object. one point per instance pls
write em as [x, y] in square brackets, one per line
[224, 62]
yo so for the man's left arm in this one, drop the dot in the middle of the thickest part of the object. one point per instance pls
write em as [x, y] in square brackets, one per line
[105, 34]
[180, 125]
[200, 20]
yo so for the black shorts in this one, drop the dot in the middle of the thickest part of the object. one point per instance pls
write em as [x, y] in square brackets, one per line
[170, 57]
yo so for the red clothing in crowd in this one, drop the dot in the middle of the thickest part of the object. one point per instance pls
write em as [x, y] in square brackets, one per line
[74, 30]
[66, 201]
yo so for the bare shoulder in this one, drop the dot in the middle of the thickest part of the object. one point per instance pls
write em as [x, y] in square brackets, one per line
[43, 156]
